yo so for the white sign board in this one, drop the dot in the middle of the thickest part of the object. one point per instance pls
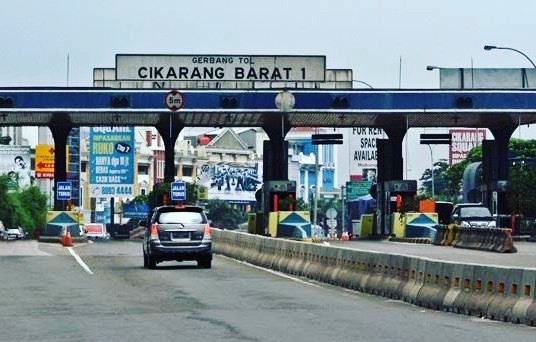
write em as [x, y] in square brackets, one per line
[363, 154]
[462, 141]
[220, 68]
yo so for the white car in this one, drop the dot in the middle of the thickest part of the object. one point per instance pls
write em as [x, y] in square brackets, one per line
[14, 234]
[473, 215]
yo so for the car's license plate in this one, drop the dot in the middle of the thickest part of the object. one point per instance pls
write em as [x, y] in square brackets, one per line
[180, 235]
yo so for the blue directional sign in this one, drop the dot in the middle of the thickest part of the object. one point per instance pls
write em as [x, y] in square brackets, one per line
[178, 191]
[63, 191]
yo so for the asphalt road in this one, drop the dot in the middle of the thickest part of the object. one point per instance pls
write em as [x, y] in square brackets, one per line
[46, 295]
[524, 258]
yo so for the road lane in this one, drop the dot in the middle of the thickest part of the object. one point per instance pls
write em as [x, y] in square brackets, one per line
[525, 258]
[54, 299]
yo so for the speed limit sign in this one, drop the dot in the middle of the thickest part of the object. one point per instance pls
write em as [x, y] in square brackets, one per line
[174, 100]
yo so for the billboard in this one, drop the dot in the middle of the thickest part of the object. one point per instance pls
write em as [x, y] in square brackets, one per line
[232, 182]
[15, 161]
[44, 161]
[362, 150]
[462, 141]
[111, 161]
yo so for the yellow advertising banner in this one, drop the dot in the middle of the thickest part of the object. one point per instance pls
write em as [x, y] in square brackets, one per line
[44, 161]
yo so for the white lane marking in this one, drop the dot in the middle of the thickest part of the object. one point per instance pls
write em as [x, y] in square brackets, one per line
[277, 273]
[80, 261]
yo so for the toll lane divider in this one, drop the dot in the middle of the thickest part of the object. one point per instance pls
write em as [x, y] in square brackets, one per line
[493, 292]
[486, 239]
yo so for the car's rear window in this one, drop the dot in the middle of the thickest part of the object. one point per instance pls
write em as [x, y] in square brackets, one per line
[475, 212]
[181, 217]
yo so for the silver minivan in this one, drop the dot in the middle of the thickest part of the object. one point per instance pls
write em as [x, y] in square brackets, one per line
[177, 233]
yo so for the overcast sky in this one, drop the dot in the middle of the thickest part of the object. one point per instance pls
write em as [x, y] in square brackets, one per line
[372, 37]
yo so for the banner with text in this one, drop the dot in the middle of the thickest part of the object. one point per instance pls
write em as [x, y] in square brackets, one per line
[462, 141]
[111, 161]
[44, 161]
[220, 68]
[363, 155]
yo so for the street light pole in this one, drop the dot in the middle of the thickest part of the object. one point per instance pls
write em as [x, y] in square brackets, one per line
[317, 190]
[364, 83]
[492, 47]
[432, 159]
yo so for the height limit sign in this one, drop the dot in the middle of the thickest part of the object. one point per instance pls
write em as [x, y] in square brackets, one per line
[174, 100]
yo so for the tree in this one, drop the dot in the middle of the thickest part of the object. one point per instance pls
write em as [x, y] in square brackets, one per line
[441, 189]
[26, 208]
[223, 215]
[521, 190]
[160, 194]
[517, 149]
[5, 140]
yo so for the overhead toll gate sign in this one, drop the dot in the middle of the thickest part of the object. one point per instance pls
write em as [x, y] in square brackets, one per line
[220, 68]
[111, 158]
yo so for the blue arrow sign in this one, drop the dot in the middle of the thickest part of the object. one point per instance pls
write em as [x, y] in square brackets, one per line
[178, 191]
[63, 191]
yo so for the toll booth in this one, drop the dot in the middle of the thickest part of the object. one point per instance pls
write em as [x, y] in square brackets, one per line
[281, 219]
[279, 196]
[399, 196]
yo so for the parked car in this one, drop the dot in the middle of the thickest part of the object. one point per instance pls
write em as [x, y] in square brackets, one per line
[178, 233]
[474, 215]
[2, 231]
[14, 234]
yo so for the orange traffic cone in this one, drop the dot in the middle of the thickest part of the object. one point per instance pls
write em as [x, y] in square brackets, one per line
[66, 238]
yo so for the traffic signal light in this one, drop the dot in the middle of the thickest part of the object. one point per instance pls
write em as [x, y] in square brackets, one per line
[229, 101]
[6, 102]
[464, 102]
[340, 102]
[119, 102]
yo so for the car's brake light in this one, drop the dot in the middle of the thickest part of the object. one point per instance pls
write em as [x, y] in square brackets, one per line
[207, 233]
[154, 231]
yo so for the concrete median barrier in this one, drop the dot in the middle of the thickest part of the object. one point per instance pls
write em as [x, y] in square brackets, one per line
[498, 293]
[434, 289]
[486, 239]
[441, 234]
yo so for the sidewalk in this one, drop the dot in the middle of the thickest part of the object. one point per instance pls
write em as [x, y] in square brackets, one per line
[524, 258]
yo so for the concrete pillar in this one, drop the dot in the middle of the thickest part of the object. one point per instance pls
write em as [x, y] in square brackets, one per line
[275, 156]
[495, 168]
[396, 137]
[60, 134]
[169, 129]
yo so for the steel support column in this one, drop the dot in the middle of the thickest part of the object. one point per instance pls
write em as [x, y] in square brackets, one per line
[496, 165]
[169, 128]
[60, 134]
[275, 158]
[390, 167]
[396, 136]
